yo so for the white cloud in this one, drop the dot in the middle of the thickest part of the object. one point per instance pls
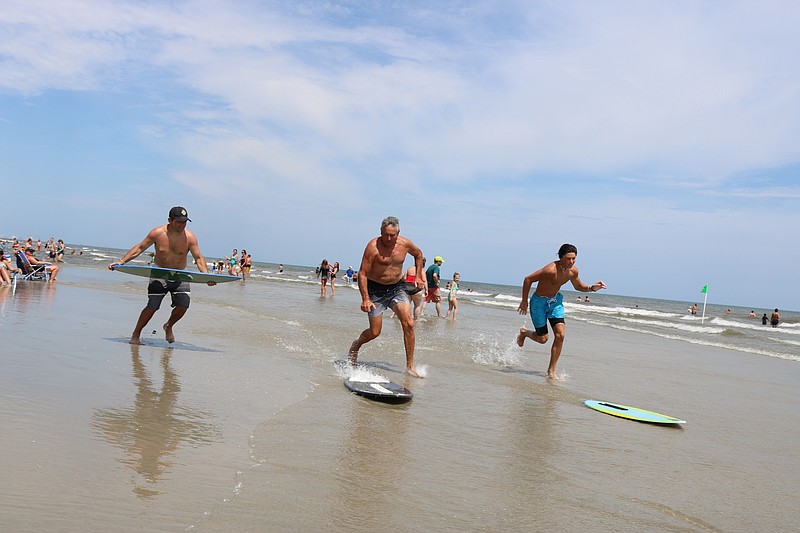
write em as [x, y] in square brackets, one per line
[509, 121]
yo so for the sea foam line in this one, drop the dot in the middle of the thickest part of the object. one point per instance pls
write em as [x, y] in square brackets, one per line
[702, 342]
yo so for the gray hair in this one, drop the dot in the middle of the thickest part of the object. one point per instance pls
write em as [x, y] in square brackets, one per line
[390, 221]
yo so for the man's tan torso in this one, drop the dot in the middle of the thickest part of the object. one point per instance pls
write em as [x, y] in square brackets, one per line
[171, 247]
[553, 278]
[387, 263]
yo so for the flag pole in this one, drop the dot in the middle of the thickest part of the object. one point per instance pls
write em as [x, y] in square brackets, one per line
[705, 299]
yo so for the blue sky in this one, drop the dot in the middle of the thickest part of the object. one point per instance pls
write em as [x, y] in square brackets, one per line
[658, 137]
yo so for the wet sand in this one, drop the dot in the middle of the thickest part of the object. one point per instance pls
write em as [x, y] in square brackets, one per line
[243, 423]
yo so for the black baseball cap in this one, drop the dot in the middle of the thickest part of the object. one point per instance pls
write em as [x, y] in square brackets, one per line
[179, 213]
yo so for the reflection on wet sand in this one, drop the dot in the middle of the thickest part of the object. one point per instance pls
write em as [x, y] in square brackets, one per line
[22, 293]
[152, 430]
[532, 464]
[4, 294]
[371, 462]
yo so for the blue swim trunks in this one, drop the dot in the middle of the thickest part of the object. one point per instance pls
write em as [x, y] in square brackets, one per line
[543, 309]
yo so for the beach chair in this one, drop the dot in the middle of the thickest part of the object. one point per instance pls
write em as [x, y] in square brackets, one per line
[30, 272]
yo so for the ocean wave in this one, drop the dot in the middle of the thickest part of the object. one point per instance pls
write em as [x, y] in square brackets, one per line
[754, 325]
[496, 303]
[689, 328]
[733, 332]
[751, 325]
[473, 294]
[700, 341]
[621, 311]
[307, 280]
[785, 341]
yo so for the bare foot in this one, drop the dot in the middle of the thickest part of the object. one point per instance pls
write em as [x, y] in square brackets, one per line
[168, 330]
[353, 354]
[135, 340]
[553, 375]
[413, 372]
[521, 337]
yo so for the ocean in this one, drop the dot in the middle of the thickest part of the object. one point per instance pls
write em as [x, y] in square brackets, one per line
[243, 423]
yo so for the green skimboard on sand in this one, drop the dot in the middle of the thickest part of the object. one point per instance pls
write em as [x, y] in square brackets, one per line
[632, 413]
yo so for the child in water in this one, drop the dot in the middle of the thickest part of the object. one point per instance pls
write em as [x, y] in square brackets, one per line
[452, 298]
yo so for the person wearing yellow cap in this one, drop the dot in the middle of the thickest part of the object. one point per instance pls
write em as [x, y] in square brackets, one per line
[433, 275]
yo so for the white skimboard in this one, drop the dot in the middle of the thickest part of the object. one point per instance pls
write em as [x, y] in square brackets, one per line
[380, 390]
[172, 274]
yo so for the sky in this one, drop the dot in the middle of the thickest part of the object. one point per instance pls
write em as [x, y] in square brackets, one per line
[661, 138]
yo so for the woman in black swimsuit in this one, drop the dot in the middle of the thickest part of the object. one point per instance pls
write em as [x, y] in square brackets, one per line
[324, 274]
[334, 271]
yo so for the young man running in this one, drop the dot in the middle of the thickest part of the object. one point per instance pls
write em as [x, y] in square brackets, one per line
[546, 303]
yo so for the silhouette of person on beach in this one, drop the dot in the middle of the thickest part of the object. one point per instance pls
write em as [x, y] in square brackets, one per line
[6, 268]
[452, 297]
[324, 273]
[546, 303]
[764, 320]
[245, 264]
[382, 286]
[334, 271]
[433, 277]
[173, 242]
[418, 296]
[775, 318]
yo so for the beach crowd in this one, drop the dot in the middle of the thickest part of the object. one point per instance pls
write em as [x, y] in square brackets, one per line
[19, 258]
[382, 281]
[234, 264]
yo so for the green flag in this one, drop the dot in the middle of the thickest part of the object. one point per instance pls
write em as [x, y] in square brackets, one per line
[705, 289]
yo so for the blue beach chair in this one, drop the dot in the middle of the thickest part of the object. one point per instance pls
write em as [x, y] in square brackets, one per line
[30, 272]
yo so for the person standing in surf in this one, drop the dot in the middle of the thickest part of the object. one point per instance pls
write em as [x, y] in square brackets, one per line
[172, 244]
[324, 274]
[546, 303]
[432, 292]
[382, 286]
[418, 297]
[452, 297]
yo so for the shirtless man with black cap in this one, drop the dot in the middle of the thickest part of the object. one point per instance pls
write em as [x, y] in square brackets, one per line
[172, 244]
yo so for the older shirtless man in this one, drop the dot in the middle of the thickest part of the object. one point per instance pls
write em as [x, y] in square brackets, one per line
[546, 304]
[172, 243]
[382, 286]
